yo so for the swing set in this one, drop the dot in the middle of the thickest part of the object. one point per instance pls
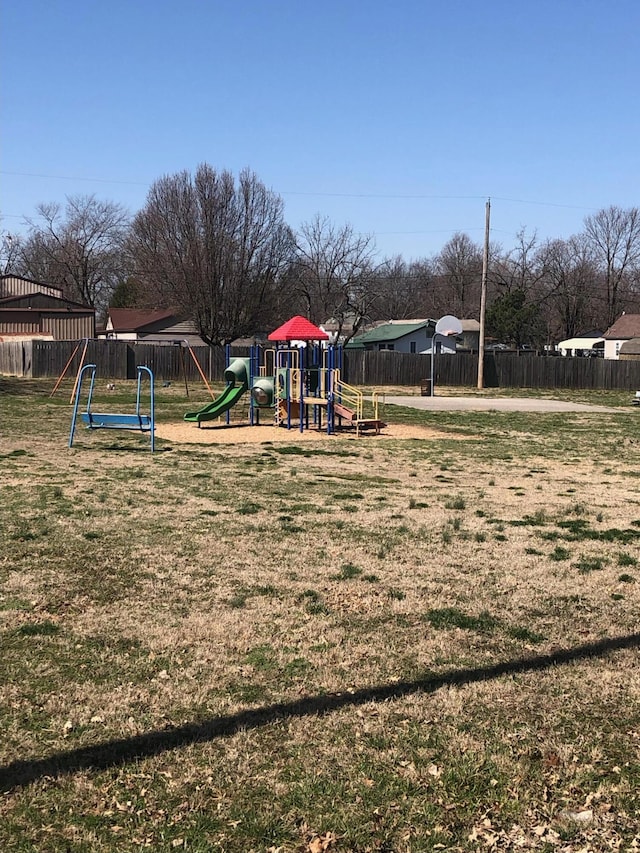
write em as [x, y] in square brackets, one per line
[82, 346]
[115, 420]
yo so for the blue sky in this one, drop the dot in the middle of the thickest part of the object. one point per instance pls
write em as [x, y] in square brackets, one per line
[400, 117]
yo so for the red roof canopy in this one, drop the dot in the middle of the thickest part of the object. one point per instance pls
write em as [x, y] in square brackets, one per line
[298, 329]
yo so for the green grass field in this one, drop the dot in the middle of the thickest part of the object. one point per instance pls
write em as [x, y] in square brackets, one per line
[367, 644]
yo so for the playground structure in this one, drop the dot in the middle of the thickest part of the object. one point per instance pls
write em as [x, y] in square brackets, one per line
[112, 420]
[299, 378]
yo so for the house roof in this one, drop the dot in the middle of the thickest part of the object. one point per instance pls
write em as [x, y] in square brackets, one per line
[133, 319]
[626, 326]
[391, 332]
[590, 333]
[580, 343]
[631, 347]
[10, 275]
[298, 329]
[42, 302]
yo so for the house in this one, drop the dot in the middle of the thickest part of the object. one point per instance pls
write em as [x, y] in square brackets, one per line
[160, 326]
[397, 335]
[588, 343]
[469, 339]
[416, 336]
[341, 329]
[34, 310]
[624, 329]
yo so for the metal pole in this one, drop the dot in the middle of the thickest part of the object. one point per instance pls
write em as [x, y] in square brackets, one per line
[432, 371]
[200, 370]
[483, 293]
[66, 367]
[80, 366]
[184, 369]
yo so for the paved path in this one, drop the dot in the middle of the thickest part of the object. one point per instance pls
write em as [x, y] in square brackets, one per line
[498, 404]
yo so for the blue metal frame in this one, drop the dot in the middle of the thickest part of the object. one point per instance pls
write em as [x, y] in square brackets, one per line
[254, 358]
[112, 420]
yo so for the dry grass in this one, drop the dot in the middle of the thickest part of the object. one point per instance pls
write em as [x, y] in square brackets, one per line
[410, 642]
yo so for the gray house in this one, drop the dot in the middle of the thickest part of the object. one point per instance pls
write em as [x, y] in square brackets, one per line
[397, 335]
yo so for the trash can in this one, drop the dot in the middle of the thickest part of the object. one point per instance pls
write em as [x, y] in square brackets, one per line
[425, 388]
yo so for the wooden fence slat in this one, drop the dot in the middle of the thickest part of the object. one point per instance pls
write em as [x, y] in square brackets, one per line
[15, 358]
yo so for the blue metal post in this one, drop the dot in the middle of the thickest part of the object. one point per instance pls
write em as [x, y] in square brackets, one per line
[76, 403]
[227, 361]
[152, 401]
[330, 390]
[288, 387]
[254, 370]
[301, 364]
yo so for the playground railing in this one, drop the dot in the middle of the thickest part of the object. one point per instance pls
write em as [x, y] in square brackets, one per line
[377, 399]
[349, 396]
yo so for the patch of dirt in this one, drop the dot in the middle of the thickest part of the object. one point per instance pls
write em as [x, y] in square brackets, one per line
[187, 433]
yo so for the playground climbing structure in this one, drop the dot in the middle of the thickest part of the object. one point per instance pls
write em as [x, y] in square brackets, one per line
[299, 378]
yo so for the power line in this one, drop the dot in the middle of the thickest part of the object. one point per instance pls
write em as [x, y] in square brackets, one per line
[320, 194]
[543, 203]
[431, 231]
[75, 178]
[401, 196]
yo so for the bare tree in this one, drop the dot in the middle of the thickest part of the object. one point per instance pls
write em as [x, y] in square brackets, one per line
[213, 249]
[80, 248]
[9, 252]
[404, 290]
[458, 269]
[569, 277]
[395, 289]
[333, 274]
[519, 269]
[615, 237]
[519, 293]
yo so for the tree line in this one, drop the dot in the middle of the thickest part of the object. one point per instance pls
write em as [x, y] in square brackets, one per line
[217, 249]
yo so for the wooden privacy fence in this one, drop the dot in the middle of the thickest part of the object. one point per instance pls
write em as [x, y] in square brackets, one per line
[503, 370]
[118, 360]
[114, 359]
[532, 371]
[399, 368]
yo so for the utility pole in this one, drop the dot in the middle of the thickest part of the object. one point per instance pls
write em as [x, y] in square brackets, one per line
[483, 293]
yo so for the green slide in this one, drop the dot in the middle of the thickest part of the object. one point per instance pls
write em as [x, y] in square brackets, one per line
[219, 406]
[237, 371]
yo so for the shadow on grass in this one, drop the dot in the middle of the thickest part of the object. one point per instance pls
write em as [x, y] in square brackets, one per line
[118, 752]
[114, 447]
[18, 387]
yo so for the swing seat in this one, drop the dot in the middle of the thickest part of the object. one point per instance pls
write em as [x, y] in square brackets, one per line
[112, 420]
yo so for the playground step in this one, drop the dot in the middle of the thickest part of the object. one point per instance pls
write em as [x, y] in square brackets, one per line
[369, 423]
